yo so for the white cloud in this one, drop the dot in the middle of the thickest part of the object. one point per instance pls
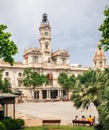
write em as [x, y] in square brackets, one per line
[74, 24]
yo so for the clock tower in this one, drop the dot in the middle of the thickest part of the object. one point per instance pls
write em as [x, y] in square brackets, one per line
[45, 39]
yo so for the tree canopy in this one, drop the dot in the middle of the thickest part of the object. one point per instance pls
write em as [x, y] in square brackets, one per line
[67, 82]
[104, 28]
[90, 87]
[103, 110]
[33, 79]
[7, 47]
[4, 83]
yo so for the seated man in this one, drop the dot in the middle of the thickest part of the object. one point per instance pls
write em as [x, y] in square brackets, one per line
[90, 119]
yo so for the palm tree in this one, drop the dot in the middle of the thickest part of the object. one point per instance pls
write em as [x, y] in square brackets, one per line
[103, 110]
[93, 86]
[90, 88]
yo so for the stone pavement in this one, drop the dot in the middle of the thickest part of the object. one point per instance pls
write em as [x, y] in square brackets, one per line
[34, 113]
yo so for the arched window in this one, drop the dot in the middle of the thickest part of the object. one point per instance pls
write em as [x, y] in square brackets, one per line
[19, 82]
[35, 59]
[46, 33]
[46, 45]
[7, 74]
[100, 63]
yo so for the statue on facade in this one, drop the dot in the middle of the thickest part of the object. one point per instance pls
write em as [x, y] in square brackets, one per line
[44, 18]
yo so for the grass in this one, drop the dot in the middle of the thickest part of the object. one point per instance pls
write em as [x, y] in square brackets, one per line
[59, 128]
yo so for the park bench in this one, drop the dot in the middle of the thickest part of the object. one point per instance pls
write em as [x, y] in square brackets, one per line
[48, 122]
[79, 122]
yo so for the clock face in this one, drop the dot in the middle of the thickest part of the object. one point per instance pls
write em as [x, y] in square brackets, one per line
[46, 33]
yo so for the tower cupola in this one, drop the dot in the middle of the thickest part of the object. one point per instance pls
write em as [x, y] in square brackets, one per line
[99, 57]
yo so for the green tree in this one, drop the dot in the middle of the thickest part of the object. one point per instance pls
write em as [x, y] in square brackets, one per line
[38, 79]
[27, 77]
[104, 28]
[103, 110]
[93, 86]
[61, 79]
[66, 82]
[4, 83]
[7, 46]
[7, 50]
[90, 87]
[33, 79]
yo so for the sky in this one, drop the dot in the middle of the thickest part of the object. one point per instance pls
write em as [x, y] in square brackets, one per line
[74, 25]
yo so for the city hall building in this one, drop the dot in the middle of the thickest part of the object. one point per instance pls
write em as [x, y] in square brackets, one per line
[44, 61]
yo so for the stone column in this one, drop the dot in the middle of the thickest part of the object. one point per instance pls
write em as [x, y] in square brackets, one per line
[40, 94]
[5, 110]
[48, 92]
[61, 94]
[14, 111]
[58, 96]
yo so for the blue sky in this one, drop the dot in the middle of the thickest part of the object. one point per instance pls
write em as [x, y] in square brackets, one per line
[74, 25]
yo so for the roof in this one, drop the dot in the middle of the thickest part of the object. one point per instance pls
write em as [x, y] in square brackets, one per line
[7, 95]
[99, 53]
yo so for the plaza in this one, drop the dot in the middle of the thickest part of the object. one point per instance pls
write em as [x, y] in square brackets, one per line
[65, 111]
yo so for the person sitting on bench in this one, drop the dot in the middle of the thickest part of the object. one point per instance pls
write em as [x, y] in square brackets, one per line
[90, 119]
[83, 118]
[76, 118]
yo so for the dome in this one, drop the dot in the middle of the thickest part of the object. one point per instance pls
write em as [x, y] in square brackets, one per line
[99, 54]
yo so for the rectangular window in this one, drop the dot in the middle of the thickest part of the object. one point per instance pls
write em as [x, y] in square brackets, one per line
[19, 83]
[46, 46]
[63, 61]
[100, 63]
[19, 74]
[7, 74]
[35, 59]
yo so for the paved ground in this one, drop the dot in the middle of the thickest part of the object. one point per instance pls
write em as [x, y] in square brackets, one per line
[54, 110]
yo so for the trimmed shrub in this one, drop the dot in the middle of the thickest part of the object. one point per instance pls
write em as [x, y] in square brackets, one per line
[7, 123]
[18, 123]
[99, 127]
[2, 126]
[13, 124]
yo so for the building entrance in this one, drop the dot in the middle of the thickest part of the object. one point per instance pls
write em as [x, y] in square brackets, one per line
[53, 94]
[44, 94]
[36, 94]
[49, 94]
